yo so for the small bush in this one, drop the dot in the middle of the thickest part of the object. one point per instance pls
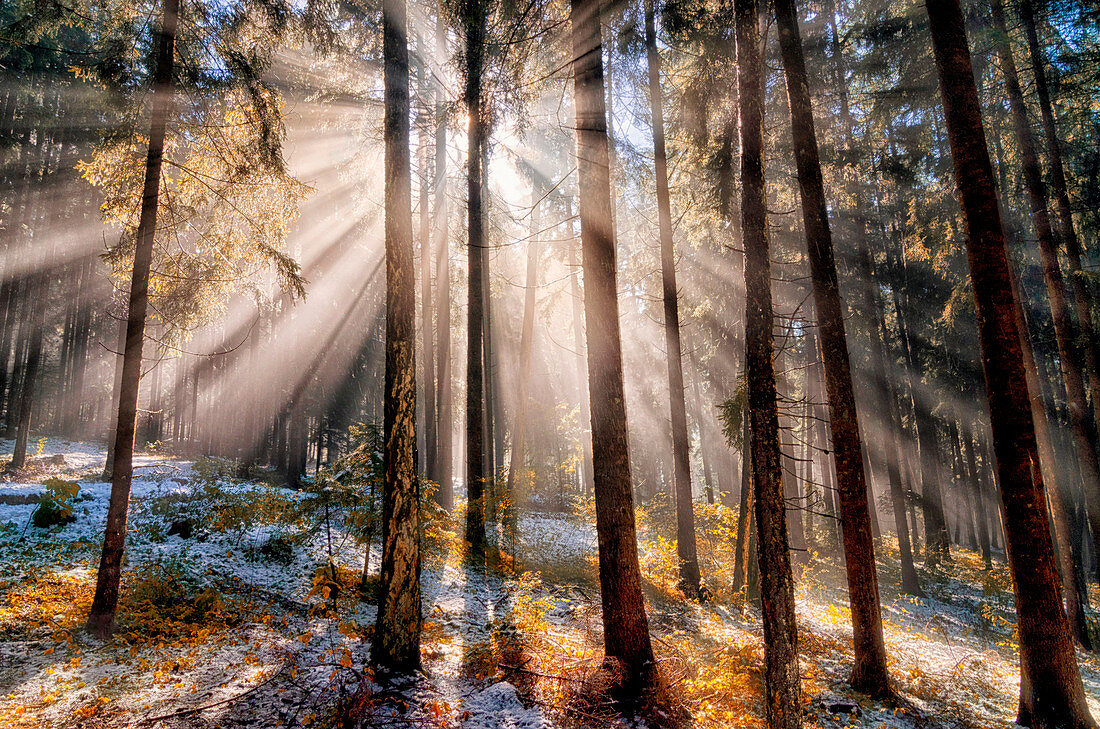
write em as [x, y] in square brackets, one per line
[279, 548]
[55, 505]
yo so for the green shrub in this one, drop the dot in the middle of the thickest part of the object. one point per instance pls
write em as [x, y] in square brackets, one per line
[55, 505]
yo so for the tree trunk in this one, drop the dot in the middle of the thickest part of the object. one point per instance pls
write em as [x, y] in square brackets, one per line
[1067, 231]
[444, 468]
[396, 643]
[869, 671]
[685, 516]
[101, 617]
[39, 290]
[577, 297]
[1065, 329]
[1055, 486]
[475, 379]
[626, 627]
[527, 341]
[782, 687]
[1054, 696]
[423, 128]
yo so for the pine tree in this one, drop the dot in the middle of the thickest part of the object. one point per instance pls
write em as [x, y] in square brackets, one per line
[1052, 694]
[869, 671]
[626, 627]
[396, 642]
[101, 617]
[782, 687]
[685, 517]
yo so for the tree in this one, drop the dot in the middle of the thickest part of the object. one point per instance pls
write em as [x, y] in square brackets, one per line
[1063, 329]
[396, 642]
[685, 517]
[527, 341]
[1051, 693]
[473, 20]
[101, 617]
[444, 430]
[626, 627]
[782, 688]
[869, 671]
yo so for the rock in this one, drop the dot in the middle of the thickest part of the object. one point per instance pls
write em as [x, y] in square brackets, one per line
[181, 528]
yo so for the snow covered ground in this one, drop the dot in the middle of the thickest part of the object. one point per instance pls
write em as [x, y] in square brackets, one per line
[498, 652]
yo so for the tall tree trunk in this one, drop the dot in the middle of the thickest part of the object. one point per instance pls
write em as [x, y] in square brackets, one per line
[101, 617]
[526, 346]
[782, 687]
[444, 468]
[1065, 329]
[39, 290]
[577, 298]
[426, 239]
[1052, 694]
[396, 643]
[685, 516]
[869, 670]
[1055, 484]
[626, 627]
[475, 379]
[1066, 229]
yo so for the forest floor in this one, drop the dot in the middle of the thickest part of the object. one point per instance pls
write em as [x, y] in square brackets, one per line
[244, 623]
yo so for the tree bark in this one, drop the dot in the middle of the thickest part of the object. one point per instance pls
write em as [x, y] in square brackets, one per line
[101, 617]
[39, 290]
[1055, 695]
[626, 627]
[475, 378]
[685, 516]
[444, 468]
[1065, 329]
[782, 687]
[869, 670]
[431, 422]
[1066, 228]
[526, 346]
[396, 644]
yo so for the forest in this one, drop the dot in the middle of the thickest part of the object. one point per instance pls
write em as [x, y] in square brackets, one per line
[527, 364]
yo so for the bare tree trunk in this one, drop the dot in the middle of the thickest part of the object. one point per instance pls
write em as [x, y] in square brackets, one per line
[577, 297]
[1065, 329]
[685, 516]
[782, 687]
[742, 553]
[101, 617]
[430, 420]
[39, 290]
[869, 670]
[475, 379]
[527, 341]
[1056, 487]
[396, 643]
[1052, 694]
[626, 627]
[1067, 231]
[445, 430]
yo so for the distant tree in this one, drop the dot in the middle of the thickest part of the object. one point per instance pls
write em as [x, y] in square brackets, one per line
[1051, 693]
[396, 643]
[782, 688]
[473, 23]
[685, 517]
[626, 627]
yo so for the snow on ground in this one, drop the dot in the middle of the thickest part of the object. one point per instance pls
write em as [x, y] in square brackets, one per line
[275, 652]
